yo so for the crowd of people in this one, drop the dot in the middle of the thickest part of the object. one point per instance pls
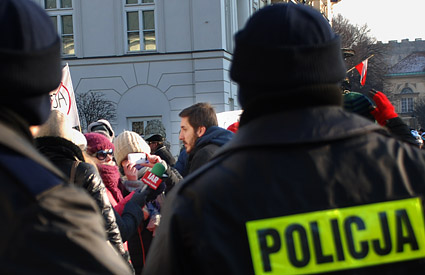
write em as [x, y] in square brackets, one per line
[310, 180]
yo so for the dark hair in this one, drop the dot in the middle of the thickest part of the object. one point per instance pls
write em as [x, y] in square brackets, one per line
[200, 114]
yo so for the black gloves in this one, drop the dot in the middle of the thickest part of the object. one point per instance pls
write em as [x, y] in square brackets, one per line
[152, 194]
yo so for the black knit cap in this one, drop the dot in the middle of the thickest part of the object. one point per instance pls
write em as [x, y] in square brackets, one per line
[284, 47]
[358, 103]
[30, 61]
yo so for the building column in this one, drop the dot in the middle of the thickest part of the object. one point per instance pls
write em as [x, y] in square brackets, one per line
[243, 8]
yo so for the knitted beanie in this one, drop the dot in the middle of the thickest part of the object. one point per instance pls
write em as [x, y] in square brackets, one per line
[358, 103]
[97, 142]
[283, 47]
[129, 142]
[30, 60]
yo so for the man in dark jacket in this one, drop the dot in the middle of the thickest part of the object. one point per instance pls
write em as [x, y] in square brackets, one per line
[158, 148]
[48, 226]
[200, 135]
[327, 192]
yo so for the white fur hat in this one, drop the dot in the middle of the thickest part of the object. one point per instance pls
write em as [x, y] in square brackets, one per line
[79, 139]
[58, 126]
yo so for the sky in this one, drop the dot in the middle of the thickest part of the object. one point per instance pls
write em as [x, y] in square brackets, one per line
[387, 19]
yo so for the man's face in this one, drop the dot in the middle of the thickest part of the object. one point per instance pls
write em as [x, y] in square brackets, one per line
[153, 145]
[187, 134]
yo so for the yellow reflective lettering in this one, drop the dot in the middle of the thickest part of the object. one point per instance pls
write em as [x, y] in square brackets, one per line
[338, 239]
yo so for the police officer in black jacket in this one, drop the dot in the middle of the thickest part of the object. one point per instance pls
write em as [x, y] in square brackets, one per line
[304, 187]
[48, 226]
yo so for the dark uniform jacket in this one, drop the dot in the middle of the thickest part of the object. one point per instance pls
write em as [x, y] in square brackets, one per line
[48, 227]
[281, 198]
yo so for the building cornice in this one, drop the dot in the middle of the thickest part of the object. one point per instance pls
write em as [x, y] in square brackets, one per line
[406, 74]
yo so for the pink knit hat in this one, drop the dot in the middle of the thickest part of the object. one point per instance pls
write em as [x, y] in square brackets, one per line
[97, 142]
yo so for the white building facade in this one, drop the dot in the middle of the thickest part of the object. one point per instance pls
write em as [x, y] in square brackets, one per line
[152, 58]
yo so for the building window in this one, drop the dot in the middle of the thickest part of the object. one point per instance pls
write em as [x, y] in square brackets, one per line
[407, 100]
[138, 124]
[61, 13]
[140, 25]
[407, 105]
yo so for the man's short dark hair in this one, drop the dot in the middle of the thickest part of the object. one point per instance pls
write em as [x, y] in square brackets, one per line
[200, 114]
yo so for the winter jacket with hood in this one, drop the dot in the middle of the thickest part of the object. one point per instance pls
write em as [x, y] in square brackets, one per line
[206, 146]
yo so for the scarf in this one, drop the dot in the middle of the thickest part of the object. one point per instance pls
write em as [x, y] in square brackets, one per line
[111, 177]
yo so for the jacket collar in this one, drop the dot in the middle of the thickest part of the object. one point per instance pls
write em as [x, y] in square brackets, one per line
[215, 135]
[58, 148]
[301, 126]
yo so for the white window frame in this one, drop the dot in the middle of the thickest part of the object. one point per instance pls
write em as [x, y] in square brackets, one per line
[58, 13]
[407, 101]
[407, 104]
[144, 119]
[57, 5]
[139, 7]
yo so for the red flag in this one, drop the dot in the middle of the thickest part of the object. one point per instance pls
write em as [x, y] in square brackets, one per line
[362, 69]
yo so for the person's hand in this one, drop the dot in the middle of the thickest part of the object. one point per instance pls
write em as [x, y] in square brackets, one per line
[146, 194]
[139, 196]
[153, 159]
[384, 109]
[130, 170]
[146, 213]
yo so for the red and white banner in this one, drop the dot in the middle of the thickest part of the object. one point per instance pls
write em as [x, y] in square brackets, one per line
[362, 69]
[63, 99]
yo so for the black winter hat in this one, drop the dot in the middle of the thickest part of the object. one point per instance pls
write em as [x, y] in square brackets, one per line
[30, 60]
[284, 47]
[155, 137]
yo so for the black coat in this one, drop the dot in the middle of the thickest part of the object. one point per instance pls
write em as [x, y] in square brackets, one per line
[165, 154]
[65, 154]
[400, 130]
[48, 226]
[279, 166]
[173, 176]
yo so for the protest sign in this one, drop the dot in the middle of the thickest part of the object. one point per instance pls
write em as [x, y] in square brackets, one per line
[63, 98]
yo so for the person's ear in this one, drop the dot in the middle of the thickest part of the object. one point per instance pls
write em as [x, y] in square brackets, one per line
[201, 131]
